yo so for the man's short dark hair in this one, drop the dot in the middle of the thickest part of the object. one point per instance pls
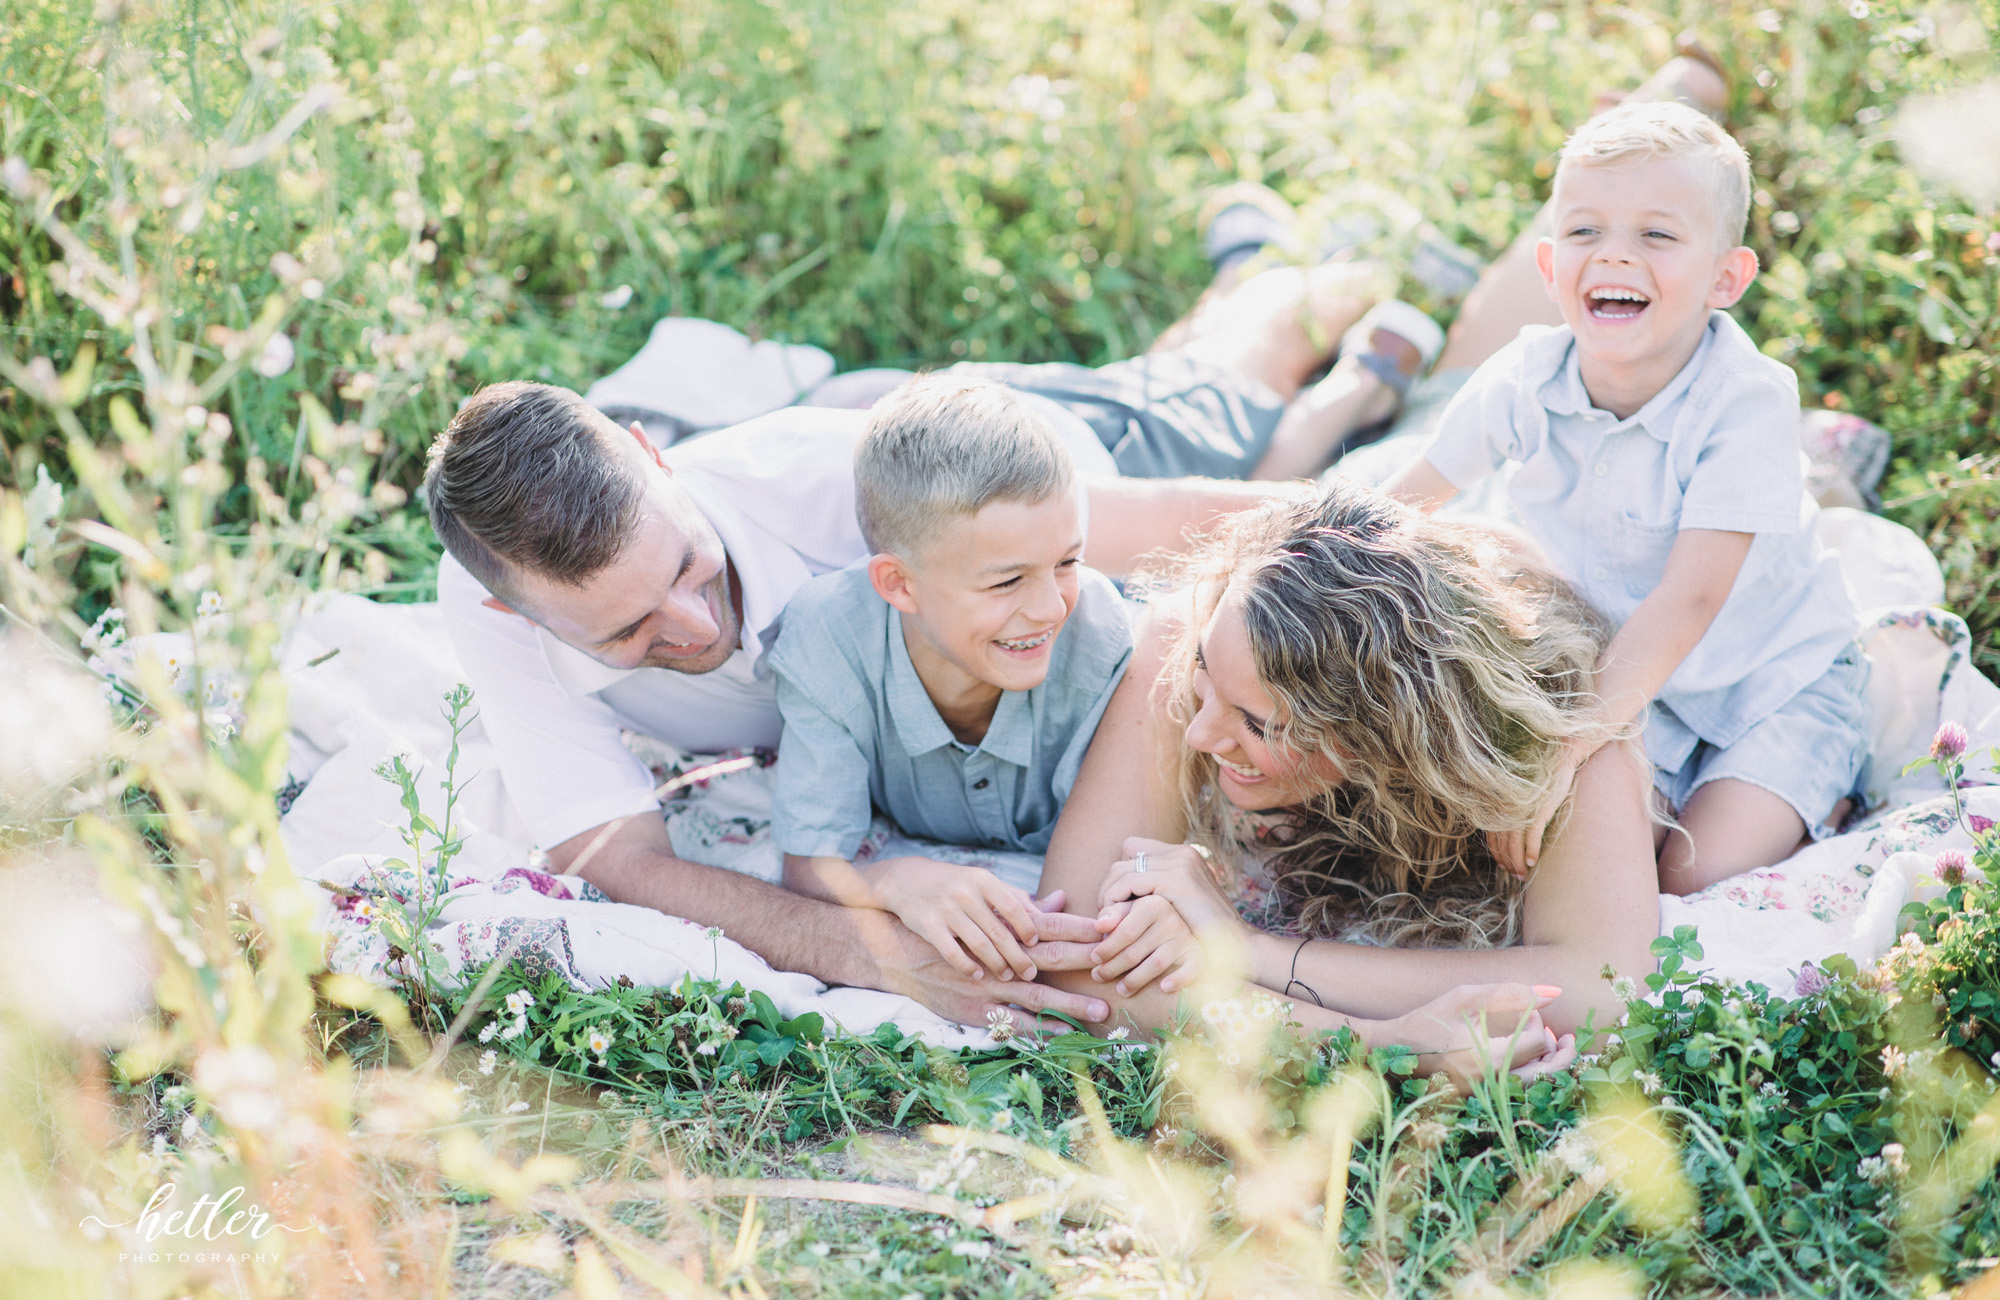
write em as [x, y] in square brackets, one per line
[529, 476]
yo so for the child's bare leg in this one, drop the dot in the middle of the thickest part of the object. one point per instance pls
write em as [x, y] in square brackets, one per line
[1735, 827]
[1280, 325]
[1351, 397]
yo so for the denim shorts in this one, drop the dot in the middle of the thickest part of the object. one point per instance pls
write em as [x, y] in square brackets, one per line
[1809, 752]
[1160, 415]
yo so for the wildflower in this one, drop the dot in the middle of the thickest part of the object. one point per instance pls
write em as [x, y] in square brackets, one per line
[515, 1030]
[617, 298]
[973, 1249]
[363, 910]
[1000, 1024]
[209, 606]
[492, 1028]
[1810, 980]
[600, 1041]
[276, 357]
[706, 1049]
[1576, 1152]
[1894, 1061]
[1950, 742]
[487, 1060]
[1625, 989]
[1119, 1034]
[1951, 865]
[1892, 1155]
[1649, 1083]
[1980, 825]
[1769, 1088]
[519, 1001]
[1002, 1119]
[1874, 1169]
[713, 932]
[517, 1108]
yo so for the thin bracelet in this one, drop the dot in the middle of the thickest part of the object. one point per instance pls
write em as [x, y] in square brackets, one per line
[1295, 973]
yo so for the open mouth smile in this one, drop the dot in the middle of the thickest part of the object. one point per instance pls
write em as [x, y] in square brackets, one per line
[1025, 644]
[1614, 303]
[1241, 771]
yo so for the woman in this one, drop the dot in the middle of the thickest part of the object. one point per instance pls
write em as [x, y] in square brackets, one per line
[1390, 691]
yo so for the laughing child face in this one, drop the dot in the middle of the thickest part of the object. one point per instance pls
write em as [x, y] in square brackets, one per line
[1637, 261]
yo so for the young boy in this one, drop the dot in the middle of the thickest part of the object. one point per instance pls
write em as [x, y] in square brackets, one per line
[953, 679]
[1659, 468]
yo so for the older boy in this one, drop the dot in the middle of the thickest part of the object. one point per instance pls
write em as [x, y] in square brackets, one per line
[1659, 468]
[954, 678]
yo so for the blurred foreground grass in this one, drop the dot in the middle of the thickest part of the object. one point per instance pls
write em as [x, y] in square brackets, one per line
[255, 254]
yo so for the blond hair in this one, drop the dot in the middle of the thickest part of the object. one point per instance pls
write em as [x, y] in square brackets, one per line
[941, 448]
[1668, 130]
[1441, 679]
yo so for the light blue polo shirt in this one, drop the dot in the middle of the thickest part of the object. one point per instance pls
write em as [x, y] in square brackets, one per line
[1718, 447]
[860, 731]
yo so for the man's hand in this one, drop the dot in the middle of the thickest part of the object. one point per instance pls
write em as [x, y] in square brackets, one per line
[976, 923]
[911, 966]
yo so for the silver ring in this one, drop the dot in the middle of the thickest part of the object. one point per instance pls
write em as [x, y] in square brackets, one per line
[1139, 863]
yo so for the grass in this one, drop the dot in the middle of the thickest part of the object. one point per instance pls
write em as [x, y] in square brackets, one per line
[419, 200]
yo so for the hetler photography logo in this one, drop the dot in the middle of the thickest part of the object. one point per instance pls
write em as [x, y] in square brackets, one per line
[215, 1228]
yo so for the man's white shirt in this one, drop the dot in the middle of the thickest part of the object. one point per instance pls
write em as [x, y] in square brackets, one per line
[779, 491]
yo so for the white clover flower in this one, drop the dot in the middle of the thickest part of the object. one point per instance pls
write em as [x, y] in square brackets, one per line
[1894, 1061]
[276, 357]
[1893, 1156]
[706, 1049]
[517, 1108]
[492, 1028]
[1649, 1083]
[1769, 1088]
[1625, 989]
[1874, 1169]
[487, 1060]
[1576, 1151]
[713, 932]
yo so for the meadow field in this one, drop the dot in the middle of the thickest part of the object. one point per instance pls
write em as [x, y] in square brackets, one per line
[256, 253]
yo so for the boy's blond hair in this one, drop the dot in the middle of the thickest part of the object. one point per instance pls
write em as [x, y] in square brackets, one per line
[941, 448]
[1668, 130]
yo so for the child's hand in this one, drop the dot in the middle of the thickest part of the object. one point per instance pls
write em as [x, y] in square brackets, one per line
[1155, 903]
[975, 922]
[1518, 851]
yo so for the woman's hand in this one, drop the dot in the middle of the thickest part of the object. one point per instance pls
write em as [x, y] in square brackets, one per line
[1157, 903]
[1466, 1031]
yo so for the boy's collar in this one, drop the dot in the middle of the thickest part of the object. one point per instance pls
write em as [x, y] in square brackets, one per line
[1564, 392]
[921, 729]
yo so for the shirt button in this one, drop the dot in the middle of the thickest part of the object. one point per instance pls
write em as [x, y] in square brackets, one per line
[1602, 469]
[981, 783]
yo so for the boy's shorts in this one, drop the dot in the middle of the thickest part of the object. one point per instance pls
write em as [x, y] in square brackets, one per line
[1160, 415]
[1809, 752]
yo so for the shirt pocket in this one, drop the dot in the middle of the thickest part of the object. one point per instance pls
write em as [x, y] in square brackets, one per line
[1643, 548]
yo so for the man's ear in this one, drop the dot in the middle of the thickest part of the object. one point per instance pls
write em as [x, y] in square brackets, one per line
[494, 602]
[890, 576]
[638, 431]
[1545, 262]
[1738, 269]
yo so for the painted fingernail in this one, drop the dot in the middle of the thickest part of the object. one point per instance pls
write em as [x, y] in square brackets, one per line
[1548, 991]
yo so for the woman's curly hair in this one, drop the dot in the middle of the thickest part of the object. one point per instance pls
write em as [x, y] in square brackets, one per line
[1442, 678]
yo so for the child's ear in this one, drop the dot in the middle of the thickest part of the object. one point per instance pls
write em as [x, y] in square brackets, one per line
[1738, 269]
[1545, 262]
[890, 576]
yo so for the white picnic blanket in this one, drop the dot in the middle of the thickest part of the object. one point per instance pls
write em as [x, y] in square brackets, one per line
[381, 693]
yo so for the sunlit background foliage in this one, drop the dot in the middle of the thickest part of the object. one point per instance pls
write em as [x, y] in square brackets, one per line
[256, 253]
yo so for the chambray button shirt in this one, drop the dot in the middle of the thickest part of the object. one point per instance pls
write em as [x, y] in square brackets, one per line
[1716, 448]
[860, 731]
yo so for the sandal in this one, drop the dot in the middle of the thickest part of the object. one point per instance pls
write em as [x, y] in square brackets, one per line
[1243, 219]
[1404, 322]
